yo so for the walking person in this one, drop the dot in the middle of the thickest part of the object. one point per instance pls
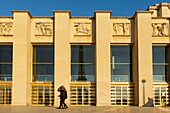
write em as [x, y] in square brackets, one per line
[63, 96]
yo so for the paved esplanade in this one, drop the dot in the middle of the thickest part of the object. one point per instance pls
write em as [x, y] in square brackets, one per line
[91, 109]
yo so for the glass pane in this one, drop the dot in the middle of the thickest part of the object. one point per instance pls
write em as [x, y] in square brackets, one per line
[87, 78]
[159, 69]
[5, 69]
[159, 54]
[44, 78]
[120, 78]
[6, 72]
[82, 69]
[82, 72]
[82, 53]
[159, 78]
[121, 72]
[43, 72]
[43, 69]
[43, 53]
[6, 77]
[5, 53]
[120, 69]
[159, 73]
[120, 54]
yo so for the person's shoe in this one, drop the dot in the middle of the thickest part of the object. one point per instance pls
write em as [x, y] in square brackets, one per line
[66, 107]
[59, 108]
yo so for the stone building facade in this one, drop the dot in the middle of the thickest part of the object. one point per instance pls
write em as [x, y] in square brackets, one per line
[101, 60]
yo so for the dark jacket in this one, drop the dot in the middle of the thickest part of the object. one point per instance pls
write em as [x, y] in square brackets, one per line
[63, 94]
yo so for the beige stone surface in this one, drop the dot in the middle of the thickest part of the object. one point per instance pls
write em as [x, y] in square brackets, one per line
[160, 10]
[103, 58]
[81, 30]
[21, 59]
[85, 109]
[144, 52]
[62, 53]
[47, 23]
[64, 30]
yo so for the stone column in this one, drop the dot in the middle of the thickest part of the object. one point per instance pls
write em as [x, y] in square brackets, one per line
[135, 62]
[62, 52]
[143, 42]
[103, 76]
[21, 83]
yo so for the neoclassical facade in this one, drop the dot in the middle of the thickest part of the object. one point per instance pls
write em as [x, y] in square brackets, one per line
[101, 60]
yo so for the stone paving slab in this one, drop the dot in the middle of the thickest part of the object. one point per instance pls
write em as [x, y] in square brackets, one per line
[89, 109]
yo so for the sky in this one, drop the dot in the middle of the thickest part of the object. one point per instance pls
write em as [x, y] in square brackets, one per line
[77, 7]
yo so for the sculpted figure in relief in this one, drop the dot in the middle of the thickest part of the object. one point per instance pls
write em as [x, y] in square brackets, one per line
[116, 29]
[1, 29]
[43, 28]
[126, 29]
[121, 29]
[159, 29]
[165, 29]
[39, 28]
[5, 28]
[155, 30]
[82, 28]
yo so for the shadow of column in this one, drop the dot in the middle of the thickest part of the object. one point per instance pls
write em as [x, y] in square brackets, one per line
[149, 103]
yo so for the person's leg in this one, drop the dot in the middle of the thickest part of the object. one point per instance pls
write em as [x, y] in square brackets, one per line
[65, 104]
[60, 104]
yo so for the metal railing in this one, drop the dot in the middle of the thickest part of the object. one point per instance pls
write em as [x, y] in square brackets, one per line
[122, 94]
[5, 93]
[82, 94]
[161, 94]
[42, 94]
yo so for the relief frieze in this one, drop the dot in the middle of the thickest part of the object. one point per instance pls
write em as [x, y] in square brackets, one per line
[160, 29]
[121, 28]
[81, 28]
[43, 28]
[5, 28]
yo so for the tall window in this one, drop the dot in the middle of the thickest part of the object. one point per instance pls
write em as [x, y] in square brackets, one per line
[43, 63]
[5, 62]
[121, 63]
[159, 63]
[82, 63]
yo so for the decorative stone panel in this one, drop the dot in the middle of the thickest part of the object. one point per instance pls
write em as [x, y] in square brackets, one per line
[121, 28]
[43, 28]
[160, 29]
[81, 28]
[5, 28]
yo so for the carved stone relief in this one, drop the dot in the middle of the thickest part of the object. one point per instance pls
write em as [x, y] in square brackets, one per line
[43, 28]
[121, 28]
[159, 29]
[82, 28]
[5, 28]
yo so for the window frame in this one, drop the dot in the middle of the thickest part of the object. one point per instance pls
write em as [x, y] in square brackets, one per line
[34, 64]
[10, 77]
[130, 77]
[165, 64]
[85, 63]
